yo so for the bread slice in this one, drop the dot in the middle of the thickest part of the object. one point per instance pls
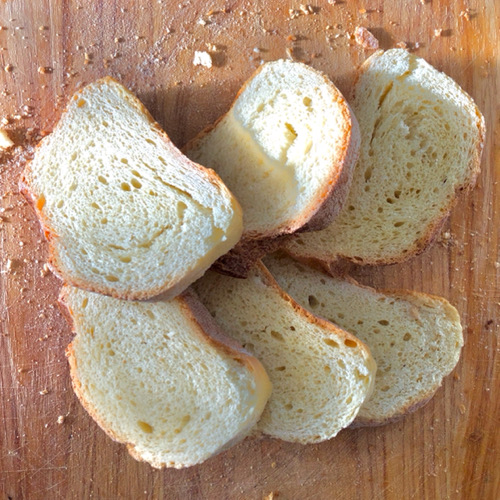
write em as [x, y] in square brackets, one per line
[422, 139]
[125, 213]
[415, 338]
[286, 149]
[160, 377]
[320, 374]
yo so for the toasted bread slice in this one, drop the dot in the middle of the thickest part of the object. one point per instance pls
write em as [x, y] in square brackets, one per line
[320, 374]
[160, 377]
[415, 338]
[422, 139]
[125, 213]
[286, 149]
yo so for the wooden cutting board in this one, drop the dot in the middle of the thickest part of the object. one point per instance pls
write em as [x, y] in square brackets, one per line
[49, 447]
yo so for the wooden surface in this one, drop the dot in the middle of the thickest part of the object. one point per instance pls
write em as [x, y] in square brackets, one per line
[449, 449]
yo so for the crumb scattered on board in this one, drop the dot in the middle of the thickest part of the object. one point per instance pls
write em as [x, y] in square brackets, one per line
[365, 38]
[5, 141]
[202, 58]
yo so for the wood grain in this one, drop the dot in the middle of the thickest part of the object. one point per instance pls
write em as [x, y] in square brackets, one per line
[447, 450]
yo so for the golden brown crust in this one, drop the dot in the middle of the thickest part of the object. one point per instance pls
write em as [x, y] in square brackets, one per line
[51, 236]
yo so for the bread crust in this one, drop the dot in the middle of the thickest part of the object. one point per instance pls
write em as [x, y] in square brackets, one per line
[320, 212]
[339, 263]
[169, 289]
[208, 332]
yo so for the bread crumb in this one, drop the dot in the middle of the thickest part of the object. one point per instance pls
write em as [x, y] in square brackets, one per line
[466, 14]
[365, 38]
[45, 69]
[60, 419]
[44, 392]
[497, 265]
[45, 270]
[5, 141]
[43, 28]
[8, 68]
[271, 496]
[438, 32]
[306, 9]
[402, 45]
[202, 58]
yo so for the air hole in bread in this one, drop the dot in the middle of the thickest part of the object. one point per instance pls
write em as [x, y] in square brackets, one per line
[85, 301]
[277, 335]
[73, 186]
[368, 174]
[398, 224]
[104, 220]
[60, 203]
[350, 343]
[313, 301]
[150, 313]
[350, 208]
[307, 101]
[105, 123]
[280, 368]
[125, 186]
[95, 205]
[288, 406]
[136, 183]
[407, 336]
[102, 180]
[125, 259]
[149, 141]
[291, 129]
[111, 278]
[94, 270]
[260, 107]
[145, 427]
[341, 315]
[383, 322]
[327, 369]
[331, 343]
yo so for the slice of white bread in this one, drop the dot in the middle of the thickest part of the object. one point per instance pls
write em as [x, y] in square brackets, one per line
[124, 211]
[286, 149]
[160, 377]
[415, 338]
[320, 374]
[421, 142]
